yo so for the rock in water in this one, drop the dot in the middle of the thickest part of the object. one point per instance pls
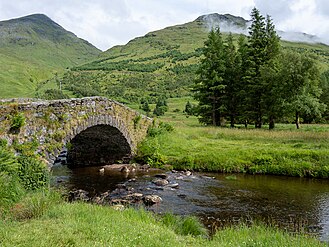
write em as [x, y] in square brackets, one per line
[160, 182]
[150, 200]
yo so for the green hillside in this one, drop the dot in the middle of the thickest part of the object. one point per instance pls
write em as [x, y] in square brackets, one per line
[161, 62]
[33, 49]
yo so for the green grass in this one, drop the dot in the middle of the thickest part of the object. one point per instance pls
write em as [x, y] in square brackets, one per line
[81, 224]
[283, 151]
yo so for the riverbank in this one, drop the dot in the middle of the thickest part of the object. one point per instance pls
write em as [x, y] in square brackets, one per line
[283, 151]
[81, 224]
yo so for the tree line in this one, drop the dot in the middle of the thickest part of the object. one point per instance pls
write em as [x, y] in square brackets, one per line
[255, 80]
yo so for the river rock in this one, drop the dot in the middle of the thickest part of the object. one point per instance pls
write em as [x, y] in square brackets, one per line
[174, 185]
[150, 200]
[125, 169]
[118, 207]
[78, 195]
[134, 198]
[98, 200]
[160, 182]
[188, 173]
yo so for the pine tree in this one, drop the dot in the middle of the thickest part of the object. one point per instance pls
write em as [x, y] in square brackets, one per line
[189, 109]
[231, 80]
[161, 107]
[209, 87]
[263, 46]
[146, 107]
[242, 64]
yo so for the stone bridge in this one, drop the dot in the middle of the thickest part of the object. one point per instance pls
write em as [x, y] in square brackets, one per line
[89, 131]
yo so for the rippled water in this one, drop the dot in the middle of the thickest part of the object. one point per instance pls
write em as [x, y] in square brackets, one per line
[295, 204]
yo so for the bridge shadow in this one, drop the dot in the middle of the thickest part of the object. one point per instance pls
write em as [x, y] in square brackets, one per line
[98, 145]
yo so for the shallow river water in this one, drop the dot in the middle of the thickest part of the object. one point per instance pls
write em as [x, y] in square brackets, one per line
[295, 204]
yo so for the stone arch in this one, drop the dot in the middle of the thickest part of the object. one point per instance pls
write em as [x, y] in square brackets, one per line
[100, 140]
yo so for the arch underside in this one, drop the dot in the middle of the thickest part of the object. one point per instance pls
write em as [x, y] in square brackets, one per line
[98, 145]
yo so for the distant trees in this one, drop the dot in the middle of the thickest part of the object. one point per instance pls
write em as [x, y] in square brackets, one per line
[255, 81]
[161, 107]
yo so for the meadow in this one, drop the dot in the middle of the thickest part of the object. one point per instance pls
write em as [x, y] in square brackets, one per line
[283, 151]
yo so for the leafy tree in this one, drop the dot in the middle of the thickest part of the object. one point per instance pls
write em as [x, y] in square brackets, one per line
[324, 98]
[209, 87]
[300, 79]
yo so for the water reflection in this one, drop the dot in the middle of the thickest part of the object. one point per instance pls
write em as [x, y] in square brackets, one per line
[323, 216]
[295, 204]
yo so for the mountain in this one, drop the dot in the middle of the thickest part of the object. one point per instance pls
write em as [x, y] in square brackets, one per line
[35, 48]
[162, 62]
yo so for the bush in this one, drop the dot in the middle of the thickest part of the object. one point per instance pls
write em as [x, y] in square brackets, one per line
[149, 152]
[32, 173]
[17, 121]
[8, 162]
[11, 190]
[136, 121]
[160, 129]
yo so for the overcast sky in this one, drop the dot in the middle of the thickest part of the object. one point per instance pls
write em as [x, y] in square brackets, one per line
[106, 23]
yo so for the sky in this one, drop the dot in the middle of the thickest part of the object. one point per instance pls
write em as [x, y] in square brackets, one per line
[106, 23]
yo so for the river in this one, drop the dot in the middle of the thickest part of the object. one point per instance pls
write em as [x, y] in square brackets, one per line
[294, 204]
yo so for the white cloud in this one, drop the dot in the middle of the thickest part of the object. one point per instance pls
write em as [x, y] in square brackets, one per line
[106, 23]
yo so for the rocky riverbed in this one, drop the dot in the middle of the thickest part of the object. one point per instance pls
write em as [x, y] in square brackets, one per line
[136, 190]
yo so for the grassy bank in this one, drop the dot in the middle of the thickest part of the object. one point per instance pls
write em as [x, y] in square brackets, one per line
[81, 224]
[283, 151]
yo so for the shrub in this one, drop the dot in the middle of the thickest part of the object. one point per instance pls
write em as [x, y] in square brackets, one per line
[32, 173]
[160, 129]
[149, 152]
[8, 162]
[11, 190]
[17, 121]
[136, 120]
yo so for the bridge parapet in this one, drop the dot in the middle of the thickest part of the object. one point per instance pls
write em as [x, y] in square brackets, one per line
[51, 125]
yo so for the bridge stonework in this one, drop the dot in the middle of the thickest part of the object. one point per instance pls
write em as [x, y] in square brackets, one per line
[52, 125]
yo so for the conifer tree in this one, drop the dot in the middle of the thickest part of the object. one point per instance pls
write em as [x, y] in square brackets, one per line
[209, 87]
[263, 46]
[231, 80]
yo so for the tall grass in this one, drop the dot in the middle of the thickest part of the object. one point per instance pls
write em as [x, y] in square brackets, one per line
[35, 204]
[81, 224]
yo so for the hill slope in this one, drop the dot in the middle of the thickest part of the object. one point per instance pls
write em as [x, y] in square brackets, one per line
[34, 48]
[161, 62]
